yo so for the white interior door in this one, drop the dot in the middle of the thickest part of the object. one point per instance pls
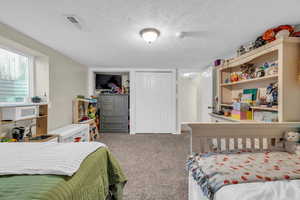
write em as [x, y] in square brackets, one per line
[155, 101]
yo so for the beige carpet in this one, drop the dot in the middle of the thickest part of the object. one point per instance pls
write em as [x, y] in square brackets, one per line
[153, 163]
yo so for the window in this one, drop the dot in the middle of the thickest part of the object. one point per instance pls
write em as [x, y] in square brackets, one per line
[15, 70]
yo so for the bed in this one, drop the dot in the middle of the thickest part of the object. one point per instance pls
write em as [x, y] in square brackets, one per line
[262, 142]
[99, 177]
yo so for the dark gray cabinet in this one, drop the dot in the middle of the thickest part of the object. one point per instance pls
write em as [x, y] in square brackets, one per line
[114, 113]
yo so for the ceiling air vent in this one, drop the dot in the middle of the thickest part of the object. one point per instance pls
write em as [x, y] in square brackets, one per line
[74, 21]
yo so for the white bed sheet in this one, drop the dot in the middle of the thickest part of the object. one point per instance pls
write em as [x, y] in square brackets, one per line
[44, 158]
[277, 190]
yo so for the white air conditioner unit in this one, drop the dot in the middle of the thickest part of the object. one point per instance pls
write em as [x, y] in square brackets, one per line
[19, 113]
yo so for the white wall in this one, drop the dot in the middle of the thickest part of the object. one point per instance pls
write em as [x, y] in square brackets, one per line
[188, 97]
[188, 90]
[205, 90]
[67, 77]
[194, 95]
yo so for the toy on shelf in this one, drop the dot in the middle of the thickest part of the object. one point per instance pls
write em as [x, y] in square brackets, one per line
[259, 42]
[272, 69]
[248, 71]
[241, 50]
[296, 32]
[269, 36]
[234, 77]
[92, 111]
[260, 72]
[272, 94]
[281, 31]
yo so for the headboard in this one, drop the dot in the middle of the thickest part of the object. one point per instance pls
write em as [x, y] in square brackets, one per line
[206, 137]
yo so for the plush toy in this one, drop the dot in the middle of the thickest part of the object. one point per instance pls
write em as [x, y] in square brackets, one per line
[292, 142]
[292, 136]
[259, 42]
[92, 111]
[234, 77]
[285, 30]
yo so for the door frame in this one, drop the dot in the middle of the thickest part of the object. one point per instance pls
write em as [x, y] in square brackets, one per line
[173, 73]
[132, 95]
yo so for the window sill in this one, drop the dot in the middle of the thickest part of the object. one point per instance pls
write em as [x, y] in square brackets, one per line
[4, 105]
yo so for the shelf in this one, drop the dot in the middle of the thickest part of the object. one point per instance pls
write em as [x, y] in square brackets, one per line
[6, 105]
[43, 116]
[264, 108]
[254, 107]
[84, 100]
[233, 120]
[250, 80]
[15, 121]
[226, 105]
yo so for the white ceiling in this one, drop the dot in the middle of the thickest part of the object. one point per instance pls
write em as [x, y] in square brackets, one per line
[110, 34]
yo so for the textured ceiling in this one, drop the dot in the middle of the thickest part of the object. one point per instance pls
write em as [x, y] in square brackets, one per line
[110, 34]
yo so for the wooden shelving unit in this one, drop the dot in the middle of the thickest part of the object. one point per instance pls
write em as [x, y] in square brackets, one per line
[80, 110]
[41, 120]
[286, 52]
[272, 77]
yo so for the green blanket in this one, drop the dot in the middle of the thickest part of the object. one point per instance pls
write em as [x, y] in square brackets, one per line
[99, 175]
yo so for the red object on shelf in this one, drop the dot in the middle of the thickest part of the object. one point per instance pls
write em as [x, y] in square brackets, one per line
[270, 35]
[296, 34]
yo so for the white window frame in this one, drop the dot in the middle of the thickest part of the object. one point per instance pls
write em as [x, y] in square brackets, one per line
[31, 71]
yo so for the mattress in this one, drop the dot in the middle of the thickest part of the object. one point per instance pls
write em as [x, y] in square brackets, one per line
[98, 175]
[277, 190]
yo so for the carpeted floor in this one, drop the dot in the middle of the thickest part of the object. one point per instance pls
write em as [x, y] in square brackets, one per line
[153, 163]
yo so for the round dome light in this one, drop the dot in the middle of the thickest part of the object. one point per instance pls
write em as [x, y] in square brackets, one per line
[149, 34]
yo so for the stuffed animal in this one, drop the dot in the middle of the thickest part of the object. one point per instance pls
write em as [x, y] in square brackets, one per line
[292, 136]
[291, 142]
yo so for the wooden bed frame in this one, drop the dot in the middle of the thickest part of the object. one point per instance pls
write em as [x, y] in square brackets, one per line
[207, 137]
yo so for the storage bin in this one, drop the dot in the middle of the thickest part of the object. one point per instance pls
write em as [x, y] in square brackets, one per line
[241, 115]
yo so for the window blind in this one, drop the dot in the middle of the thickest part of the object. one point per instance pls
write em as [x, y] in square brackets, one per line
[14, 76]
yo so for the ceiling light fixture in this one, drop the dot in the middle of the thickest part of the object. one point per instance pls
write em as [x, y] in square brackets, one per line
[149, 34]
